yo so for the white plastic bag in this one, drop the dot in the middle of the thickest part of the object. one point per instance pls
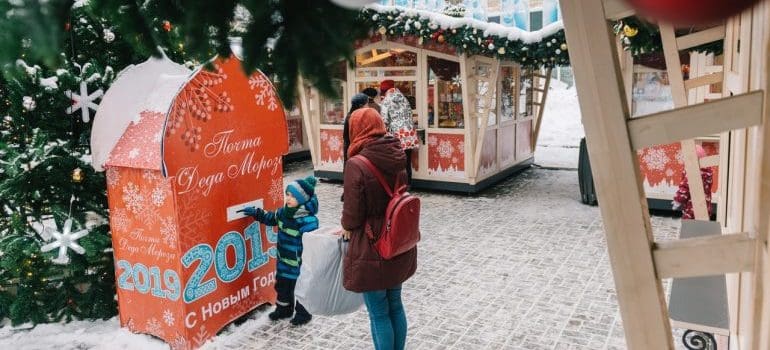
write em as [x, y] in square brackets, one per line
[319, 286]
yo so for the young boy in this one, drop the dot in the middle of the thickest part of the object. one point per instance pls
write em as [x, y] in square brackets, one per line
[293, 219]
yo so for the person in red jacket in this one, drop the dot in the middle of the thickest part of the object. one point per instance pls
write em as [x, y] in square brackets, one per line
[682, 200]
[364, 271]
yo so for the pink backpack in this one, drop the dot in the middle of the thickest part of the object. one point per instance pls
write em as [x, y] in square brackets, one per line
[401, 229]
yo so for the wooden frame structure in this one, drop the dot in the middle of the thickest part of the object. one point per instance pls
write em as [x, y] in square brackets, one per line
[483, 147]
[638, 262]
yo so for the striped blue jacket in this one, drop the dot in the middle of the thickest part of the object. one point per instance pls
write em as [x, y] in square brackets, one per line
[290, 231]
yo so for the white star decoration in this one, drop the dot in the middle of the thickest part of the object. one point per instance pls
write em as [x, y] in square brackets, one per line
[64, 240]
[84, 101]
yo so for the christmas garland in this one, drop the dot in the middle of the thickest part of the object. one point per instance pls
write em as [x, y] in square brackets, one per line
[470, 36]
[641, 37]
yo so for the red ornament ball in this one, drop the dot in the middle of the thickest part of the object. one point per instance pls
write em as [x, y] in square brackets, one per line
[67, 26]
[167, 26]
[690, 12]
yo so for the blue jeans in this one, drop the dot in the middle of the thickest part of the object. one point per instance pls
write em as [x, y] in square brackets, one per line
[387, 318]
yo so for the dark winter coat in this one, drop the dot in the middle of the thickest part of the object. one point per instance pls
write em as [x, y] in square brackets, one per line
[365, 202]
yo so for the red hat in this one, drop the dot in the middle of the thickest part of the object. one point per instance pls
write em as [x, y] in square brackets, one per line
[386, 85]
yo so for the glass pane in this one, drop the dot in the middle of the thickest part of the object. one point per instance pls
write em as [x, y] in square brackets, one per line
[651, 93]
[492, 107]
[445, 98]
[525, 94]
[507, 88]
[386, 58]
[333, 109]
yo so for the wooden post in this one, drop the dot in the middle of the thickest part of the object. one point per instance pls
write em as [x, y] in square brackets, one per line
[491, 94]
[616, 172]
[470, 128]
[308, 118]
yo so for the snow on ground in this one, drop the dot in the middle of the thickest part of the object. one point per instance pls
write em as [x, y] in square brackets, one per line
[97, 335]
[561, 129]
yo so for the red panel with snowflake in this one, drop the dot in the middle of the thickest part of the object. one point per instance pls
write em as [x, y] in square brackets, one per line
[331, 147]
[663, 166]
[446, 155]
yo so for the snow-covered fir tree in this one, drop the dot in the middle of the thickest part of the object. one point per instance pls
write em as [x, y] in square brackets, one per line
[55, 245]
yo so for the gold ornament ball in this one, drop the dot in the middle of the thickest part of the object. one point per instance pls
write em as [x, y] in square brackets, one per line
[383, 30]
[563, 47]
[441, 38]
[77, 175]
[630, 32]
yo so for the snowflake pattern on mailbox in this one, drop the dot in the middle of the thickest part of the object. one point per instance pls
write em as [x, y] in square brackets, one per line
[204, 146]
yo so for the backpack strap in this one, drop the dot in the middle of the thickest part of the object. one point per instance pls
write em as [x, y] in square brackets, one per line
[381, 179]
[377, 173]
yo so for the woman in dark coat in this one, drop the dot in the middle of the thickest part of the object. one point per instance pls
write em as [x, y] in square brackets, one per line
[365, 203]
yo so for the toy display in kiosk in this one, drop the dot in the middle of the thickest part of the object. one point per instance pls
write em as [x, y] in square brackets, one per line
[197, 147]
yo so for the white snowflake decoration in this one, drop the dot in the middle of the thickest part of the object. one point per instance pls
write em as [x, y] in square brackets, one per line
[432, 140]
[153, 327]
[113, 176]
[265, 93]
[168, 231]
[158, 196]
[64, 240]
[168, 317]
[457, 80]
[83, 101]
[679, 157]
[445, 149]
[28, 103]
[120, 220]
[324, 136]
[150, 175]
[108, 36]
[133, 198]
[179, 343]
[335, 144]
[276, 190]
[656, 159]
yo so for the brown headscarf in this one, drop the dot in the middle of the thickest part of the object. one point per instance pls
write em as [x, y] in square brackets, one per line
[366, 125]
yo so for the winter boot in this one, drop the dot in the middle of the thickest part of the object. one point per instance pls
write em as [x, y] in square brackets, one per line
[301, 317]
[281, 312]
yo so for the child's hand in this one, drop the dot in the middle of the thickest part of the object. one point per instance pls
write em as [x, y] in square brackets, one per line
[250, 211]
[675, 205]
[345, 234]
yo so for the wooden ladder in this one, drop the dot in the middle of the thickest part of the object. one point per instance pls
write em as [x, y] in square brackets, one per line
[639, 263]
[541, 81]
[679, 91]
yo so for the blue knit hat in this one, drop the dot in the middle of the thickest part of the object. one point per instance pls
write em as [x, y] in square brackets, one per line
[302, 189]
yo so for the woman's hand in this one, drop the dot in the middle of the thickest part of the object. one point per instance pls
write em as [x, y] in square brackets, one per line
[345, 234]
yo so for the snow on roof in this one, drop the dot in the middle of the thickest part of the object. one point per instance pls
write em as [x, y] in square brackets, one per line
[496, 29]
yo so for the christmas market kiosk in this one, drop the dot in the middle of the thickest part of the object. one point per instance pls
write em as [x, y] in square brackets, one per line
[476, 89]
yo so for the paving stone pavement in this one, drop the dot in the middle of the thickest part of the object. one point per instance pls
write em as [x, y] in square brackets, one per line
[522, 265]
